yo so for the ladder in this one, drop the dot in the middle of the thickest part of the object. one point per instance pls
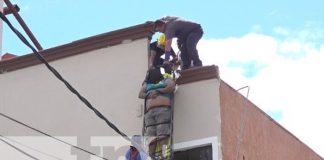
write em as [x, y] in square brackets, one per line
[166, 152]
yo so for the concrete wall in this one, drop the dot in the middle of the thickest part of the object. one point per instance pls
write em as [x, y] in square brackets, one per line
[197, 112]
[109, 77]
[262, 138]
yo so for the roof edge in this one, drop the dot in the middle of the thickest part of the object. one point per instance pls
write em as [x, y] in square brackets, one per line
[198, 74]
[80, 46]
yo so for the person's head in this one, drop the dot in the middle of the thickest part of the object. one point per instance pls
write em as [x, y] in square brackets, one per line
[159, 25]
[161, 41]
[154, 76]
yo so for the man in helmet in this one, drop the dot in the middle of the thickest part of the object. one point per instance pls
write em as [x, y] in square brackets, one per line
[188, 34]
[156, 51]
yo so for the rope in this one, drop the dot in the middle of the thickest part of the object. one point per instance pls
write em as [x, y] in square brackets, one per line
[67, 84]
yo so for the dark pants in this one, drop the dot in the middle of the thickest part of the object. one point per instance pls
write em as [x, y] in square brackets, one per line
[188, 49]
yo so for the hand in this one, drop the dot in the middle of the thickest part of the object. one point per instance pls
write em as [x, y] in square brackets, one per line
[178, 62]
[153, 94]
[166, 62]
[151, 66]
[174, 60]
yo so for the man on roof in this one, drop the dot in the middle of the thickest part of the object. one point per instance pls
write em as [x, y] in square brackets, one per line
[188, 34]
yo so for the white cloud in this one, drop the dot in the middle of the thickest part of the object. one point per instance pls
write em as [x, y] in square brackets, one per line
[293, 86]
[290, 46]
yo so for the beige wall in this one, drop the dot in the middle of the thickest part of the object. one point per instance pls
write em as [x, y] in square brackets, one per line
[110, 78]
[262, 138]
[197, 111]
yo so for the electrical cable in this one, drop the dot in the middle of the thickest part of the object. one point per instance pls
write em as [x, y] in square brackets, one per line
[67, 84]
[49, 155]
[18, 149]
[43, 133]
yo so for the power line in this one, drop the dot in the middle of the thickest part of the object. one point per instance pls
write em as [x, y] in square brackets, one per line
[19, 150]
[48, 135]
[49, 155]
[67, 84]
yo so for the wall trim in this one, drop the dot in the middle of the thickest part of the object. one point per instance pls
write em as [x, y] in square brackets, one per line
[213, 141]
[198, 74]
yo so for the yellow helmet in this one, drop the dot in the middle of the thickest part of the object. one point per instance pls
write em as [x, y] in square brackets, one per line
[161, 40]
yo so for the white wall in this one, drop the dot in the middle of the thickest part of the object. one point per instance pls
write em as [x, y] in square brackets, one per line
[197, 113]
[109, 77]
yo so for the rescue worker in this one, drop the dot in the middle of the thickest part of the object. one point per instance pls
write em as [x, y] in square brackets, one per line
[157, 50]
[188, 34]
[157, 92]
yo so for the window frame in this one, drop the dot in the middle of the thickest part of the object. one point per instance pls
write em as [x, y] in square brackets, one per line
[213, 141]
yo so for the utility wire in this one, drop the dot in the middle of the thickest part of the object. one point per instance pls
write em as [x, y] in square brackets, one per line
[43, 133]
[49, 155]
[67, 84]
[16, 148]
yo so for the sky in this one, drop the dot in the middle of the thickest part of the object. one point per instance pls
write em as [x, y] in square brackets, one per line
[275, 47]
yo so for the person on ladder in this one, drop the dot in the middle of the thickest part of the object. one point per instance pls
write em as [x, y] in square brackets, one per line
[157, 50]
[157, 91]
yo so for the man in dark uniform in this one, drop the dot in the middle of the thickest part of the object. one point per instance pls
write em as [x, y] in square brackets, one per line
[188, 34]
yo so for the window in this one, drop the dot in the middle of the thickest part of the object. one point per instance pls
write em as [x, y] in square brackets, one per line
[198, 149]
[200, 153]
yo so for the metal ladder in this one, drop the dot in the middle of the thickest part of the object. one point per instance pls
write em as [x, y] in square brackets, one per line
[170, 138]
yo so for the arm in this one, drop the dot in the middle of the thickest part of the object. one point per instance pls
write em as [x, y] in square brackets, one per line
[169, 88]
[168, 49]
[173, 53]
[142, 94]
[174, 57]
[152, 57]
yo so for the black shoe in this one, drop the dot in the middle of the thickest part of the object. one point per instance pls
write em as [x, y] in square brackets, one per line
[197, 63]
[185, 67]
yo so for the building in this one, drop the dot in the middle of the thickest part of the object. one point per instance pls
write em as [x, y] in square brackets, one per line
[211, 119]
[7, 56]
